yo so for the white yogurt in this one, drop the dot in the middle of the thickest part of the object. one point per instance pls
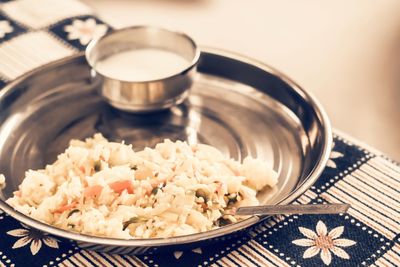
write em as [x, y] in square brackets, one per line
[142, 65]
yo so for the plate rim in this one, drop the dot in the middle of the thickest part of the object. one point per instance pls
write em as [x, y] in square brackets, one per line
[215, 233]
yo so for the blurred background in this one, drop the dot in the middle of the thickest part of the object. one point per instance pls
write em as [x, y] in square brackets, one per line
[347, 53]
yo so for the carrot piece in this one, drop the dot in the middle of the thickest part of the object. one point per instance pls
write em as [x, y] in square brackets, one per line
[120, 186]
[93, 191]
[82, 169]
[219, 187]
[148, 189]
[65, 207]
[203, 206]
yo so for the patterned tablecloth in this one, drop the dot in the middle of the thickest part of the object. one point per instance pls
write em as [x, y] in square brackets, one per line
[35, 32]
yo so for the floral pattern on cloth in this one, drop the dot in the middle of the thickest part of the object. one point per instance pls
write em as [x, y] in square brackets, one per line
[334, 155]
[33, 237]
[324, 242]
[77, 32]
[179, 253]
[5, 28]
[8, 30]
[353, 175]
[85, 30]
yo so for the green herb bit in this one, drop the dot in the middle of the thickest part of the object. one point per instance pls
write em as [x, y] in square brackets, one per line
[155, 190]
[132, 220]
[97, 166]
[232, 198]
[201, 193]
[72, 212]
[222, 222]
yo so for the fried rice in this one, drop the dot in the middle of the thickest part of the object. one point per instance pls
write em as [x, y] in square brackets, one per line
[103, 188]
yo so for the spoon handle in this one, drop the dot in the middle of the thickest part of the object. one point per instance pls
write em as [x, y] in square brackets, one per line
[293, 209]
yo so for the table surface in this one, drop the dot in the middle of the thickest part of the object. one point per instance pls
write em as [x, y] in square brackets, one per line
[346, 52]
[35, 32]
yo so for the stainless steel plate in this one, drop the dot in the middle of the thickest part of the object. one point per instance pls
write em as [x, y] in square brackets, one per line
[238, 105]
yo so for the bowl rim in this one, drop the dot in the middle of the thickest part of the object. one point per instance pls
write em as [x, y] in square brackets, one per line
[309, 180]
[95, 42]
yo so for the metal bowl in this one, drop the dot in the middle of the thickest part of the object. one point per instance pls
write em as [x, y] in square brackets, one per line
[238, 105]
[142, 96]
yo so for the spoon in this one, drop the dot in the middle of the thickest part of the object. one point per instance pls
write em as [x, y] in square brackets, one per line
[293, 209]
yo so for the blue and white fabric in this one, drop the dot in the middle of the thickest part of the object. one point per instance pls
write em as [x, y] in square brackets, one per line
[35, 32]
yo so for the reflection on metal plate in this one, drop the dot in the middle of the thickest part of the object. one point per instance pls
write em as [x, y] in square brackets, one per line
[237, 105]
